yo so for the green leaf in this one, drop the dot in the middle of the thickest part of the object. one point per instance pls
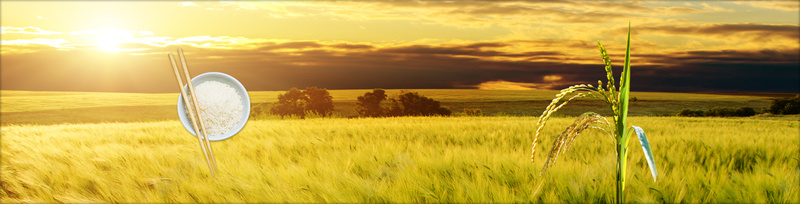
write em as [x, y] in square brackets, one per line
[646, 148]
[625, 87]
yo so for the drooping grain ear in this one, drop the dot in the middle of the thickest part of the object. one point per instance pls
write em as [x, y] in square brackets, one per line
[564, 141]
[552, 108]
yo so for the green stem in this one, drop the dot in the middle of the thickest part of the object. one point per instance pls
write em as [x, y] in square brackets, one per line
[623, 155]
[622, 150]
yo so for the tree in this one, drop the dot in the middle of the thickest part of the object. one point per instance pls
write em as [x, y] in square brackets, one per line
[414, 104]
[745, 112]
[319, 101]
[369, 105]
[395, 110]
[785, 106]
[290, 103]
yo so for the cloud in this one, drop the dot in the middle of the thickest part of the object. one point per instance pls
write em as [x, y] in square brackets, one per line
[40, 41]
[730, 57]
[294, 45]
[717, 36]
[27, 30]
[507, 85]
[552, 58]
[349, 46]
[552, 78]
[468, 50]
[23, 48]
[472, 14]
[279, 65]
[728, 29]
[777, 5]
[723, 71]
[30, 45]
[707, 7]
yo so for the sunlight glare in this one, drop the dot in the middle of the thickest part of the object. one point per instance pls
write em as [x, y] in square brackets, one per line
[109, 39]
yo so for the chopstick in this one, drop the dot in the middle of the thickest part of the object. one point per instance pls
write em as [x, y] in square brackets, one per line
[196, 109]
[192, 101]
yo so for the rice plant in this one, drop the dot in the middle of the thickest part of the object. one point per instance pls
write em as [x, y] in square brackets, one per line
[619, 132]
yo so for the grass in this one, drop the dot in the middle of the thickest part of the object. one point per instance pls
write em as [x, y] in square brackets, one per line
[423, 159]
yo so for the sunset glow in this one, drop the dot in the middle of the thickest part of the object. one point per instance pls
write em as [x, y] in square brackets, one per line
[384, 44]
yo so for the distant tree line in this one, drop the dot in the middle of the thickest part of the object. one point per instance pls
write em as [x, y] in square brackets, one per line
[719, 112]
[376, 103]
[313, 100]
[406, 104]
[779, 106]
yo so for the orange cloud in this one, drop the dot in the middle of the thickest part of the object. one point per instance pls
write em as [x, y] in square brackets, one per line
[507, 85]
[777, 5]
[550, 78]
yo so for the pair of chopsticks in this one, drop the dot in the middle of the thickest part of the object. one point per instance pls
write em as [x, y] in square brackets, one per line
[194, 111]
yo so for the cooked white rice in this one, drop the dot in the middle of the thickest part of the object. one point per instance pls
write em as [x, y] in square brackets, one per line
[220, 106]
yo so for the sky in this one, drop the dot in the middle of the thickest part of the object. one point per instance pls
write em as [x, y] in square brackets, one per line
[676, 46]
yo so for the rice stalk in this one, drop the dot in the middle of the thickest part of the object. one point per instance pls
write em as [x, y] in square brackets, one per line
[567, 137]
[552, 108]
[618, 103]
[609, 71]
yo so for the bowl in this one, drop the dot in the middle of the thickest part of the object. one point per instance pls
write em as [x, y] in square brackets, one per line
[226, 79]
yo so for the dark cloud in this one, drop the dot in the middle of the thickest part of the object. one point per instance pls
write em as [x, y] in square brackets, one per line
[435, 50]
[363, 66]
[485, 45]
[724, 71]
[729, 57]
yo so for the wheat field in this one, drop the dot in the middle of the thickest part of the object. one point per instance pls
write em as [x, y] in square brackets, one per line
[432, 159]
[404, 159]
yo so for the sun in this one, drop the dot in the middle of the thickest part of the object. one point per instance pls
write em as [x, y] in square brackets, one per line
[108, 43]
[108, 40]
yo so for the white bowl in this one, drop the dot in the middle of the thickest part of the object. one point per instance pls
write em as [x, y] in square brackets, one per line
[226, 79]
